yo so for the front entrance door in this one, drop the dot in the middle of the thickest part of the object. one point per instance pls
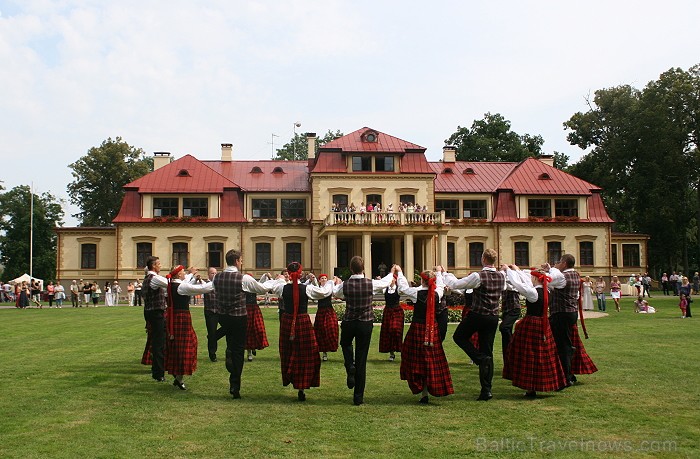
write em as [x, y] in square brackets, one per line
[381, 254]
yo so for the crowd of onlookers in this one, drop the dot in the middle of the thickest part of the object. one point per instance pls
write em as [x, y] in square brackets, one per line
[377, 207]
[79, 293]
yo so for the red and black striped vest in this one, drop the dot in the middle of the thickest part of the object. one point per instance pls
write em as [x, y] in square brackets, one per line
[153, 299]
[486, 297]
[358, 294]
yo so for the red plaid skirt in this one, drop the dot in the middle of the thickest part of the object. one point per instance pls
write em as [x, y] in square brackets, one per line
[301, 363]
[423, 365]
[581, 363]
[391, 333]
[146, 358]
[181, 352]
[532, 361]
[326, 329]
[256, 338]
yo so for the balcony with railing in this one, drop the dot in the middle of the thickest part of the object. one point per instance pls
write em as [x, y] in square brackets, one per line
[384, 218]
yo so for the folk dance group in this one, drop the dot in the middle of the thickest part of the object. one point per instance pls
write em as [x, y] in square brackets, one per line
[542, 354]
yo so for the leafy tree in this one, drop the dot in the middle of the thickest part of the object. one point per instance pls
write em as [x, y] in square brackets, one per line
[15, 230]
[99, 177]
[491, 139]
[644, 154]
[298, 148]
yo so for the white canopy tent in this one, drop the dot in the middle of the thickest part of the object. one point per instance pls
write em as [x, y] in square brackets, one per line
[26, 277]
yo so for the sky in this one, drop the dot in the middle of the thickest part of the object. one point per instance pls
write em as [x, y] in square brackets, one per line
[184, 77]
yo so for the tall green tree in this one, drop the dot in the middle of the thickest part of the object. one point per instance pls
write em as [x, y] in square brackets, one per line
[298, 148]
[15, 231]
[644, 153]
[99, 177]
[491, 139]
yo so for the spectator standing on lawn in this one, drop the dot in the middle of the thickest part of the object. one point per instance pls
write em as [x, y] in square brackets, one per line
[685, 289]
[664, 284]
[615, 289]
[600, 293]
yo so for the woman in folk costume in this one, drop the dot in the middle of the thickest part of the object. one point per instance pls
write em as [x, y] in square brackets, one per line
[256, 338]
[146, 358]
[531, 360]
[326, 323]
[300, 360]
[181, 346]
[423, 362]
[391, 333]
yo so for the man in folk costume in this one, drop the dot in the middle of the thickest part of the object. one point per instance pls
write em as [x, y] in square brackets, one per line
[256, 338]
[531, 359]
[299, 354]
[423, 362]
[326, 322]
[510, 313]
[391, 331]
[488, 285]
[181, 358]
[154, 286]
[358, 323]
[230, 287]
[211, 319]
[563, 308]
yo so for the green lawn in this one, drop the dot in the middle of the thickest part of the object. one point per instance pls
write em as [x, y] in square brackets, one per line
[73, 386]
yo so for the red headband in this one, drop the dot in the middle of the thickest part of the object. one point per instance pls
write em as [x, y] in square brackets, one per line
[175, 271]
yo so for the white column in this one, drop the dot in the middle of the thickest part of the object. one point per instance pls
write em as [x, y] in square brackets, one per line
[332, 253]
[408, 255]
[442, 250]
[367, 253]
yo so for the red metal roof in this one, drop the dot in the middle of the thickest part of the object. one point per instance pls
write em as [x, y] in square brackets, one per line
[485, 178]
[184, 175]
[596, 209]
[505, 211]
[385, 143]
[415, 163]
[294, 176]
[529, 177]
[130, 210]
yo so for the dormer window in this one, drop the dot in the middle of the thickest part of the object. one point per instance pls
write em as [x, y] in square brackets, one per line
[256, 170]
[447, 170]
[544, 176]
[469, 170]
[370, 136]
[277, 170]
[184, 173]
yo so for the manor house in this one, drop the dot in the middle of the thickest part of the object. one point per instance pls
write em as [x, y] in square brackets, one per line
[191, 211]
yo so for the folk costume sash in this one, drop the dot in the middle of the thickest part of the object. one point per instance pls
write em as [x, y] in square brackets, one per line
[430, 310]
[295, 295]
[170, 311]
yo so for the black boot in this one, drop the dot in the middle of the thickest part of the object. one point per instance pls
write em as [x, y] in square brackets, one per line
[485, 378]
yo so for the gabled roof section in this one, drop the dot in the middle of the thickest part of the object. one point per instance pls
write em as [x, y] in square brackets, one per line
[275, 176]
[184, 175]
[361, 141]
[532, 176]
[470, 177]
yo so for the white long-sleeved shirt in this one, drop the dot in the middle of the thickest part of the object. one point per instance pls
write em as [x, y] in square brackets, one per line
[522, 283]
[412, 292]
[158, 281]
[312, 291]
[472, 281]
[250, 285]
[378, 285]
[188, 289]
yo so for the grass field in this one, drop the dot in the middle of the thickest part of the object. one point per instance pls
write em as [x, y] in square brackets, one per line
[73, 386]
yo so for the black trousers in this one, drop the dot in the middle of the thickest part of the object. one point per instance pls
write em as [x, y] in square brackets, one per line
[361, 333]
[442, 324]
[508, 320]
[137, 297]
[157, 320]
[234, 328]
[664, 285]
[486, 326]
[560, 323]
[214, 334]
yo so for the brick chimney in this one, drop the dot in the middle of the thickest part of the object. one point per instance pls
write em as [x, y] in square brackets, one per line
[547, 159]
[449, 153]
[226, 151]
[311, 142]
[160, 159]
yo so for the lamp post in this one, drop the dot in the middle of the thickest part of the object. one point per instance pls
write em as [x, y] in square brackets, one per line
[294, 140]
